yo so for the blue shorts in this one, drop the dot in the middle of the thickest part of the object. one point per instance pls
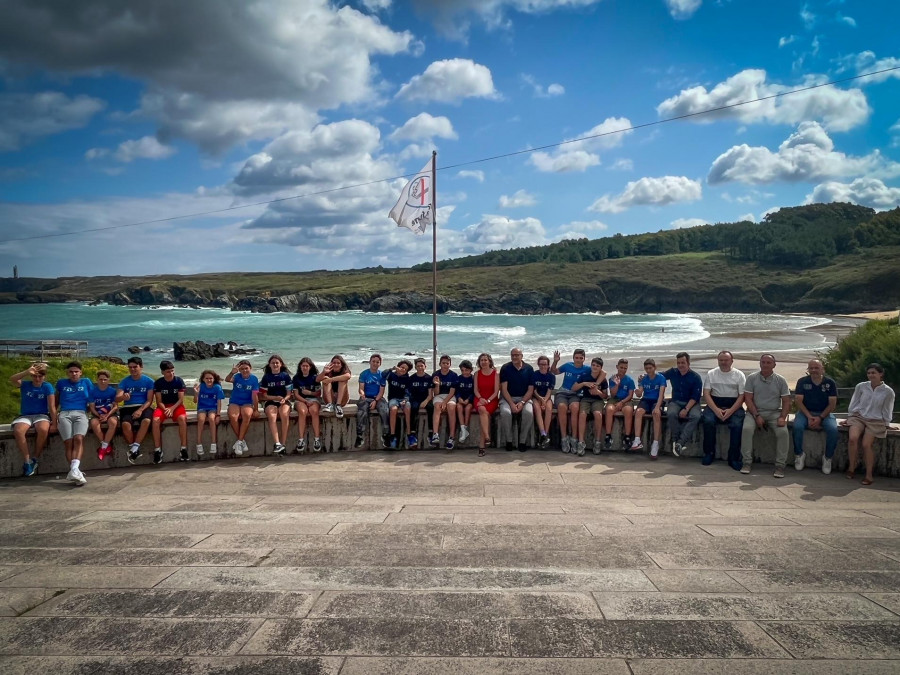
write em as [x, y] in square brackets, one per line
[648, 406]
[398, 403]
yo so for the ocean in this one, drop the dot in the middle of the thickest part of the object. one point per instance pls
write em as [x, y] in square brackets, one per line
[110, 330]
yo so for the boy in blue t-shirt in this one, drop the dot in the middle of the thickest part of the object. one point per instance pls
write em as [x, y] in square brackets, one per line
[135, 393]
[104, 410]
[594, 390]
[421, 391]
[73, 394]
[652, 390]
[444, 398]
[243, 404]
[542, 399]
[397, 382]
[38, 410]
[621, 391]
[567, 400]
[465, 398]
[371, 399]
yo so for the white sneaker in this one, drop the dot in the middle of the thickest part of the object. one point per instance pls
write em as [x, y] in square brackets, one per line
[800, 461]
[199, 450]
[245, 447]
[654, 449]
[463, 433]
[338, 411]
[317, 444]
[78, 477]
[579, 448]
[328, 407]
[238, 448]
[565, 444]
[71, 476]
[745, 469]
[676, 449]
[826, 466]
[213, 449]
[637, 444]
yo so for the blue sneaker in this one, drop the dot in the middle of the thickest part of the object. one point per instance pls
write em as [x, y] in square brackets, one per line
[707, 460]
[393, 443]
[27, 469]
[412, 441]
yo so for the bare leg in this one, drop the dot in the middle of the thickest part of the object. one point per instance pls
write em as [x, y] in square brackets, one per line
[562, 416]
[142, 431]
[19, 432]
[451, 418]
[314, 418]
[868, 441]
[112, 423]
[271, 415]
[234, 414]
[42, 431]
[182, 430]
[657, 424]
[853, 450]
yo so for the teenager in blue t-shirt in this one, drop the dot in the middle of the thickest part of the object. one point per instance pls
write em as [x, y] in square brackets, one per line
[243, 404]
[275, 390]
[568, 401]
[135, 393]
[652, 390]
[308, 402]
[465, 398]
[371, 399]
[594, 389]
[621, 391]
[421, 391]
[208, 394]
[38, 410]
[397, 381]
[444, 400]
[104, 410]
[544, 381]
[73, 394]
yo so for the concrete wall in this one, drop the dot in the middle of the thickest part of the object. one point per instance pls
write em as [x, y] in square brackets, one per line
[338, 435]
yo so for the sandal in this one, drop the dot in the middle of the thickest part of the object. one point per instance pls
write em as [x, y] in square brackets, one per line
[849, 475]
[481, 452]
[866, 481]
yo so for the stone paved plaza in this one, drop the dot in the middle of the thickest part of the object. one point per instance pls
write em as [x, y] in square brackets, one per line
[430, 562]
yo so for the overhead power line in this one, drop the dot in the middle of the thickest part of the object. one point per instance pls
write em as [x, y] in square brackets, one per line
[515, 153]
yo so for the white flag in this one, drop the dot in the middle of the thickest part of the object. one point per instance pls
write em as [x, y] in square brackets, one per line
[413, 209]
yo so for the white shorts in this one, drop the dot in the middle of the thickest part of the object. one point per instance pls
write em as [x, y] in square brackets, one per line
[441, 398]
[30, 420]
[72, 423]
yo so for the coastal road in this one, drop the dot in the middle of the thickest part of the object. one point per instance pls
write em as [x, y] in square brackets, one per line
[430, 562]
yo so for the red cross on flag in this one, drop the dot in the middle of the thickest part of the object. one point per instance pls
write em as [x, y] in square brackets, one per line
[414, 208]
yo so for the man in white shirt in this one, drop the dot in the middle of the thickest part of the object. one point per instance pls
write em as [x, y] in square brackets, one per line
[768, 400]
[871, 410]
[723, 391]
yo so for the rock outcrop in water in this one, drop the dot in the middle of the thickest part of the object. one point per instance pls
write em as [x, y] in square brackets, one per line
[199, 350]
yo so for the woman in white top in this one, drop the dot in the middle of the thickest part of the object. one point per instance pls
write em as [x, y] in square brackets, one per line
[871, 410]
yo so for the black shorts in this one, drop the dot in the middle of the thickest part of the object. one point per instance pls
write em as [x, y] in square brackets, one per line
[127, 413]
[648, 406]
[278, 403]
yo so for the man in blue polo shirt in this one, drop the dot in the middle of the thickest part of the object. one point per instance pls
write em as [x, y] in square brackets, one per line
[683, 413]
[816, 398]
[516, 390]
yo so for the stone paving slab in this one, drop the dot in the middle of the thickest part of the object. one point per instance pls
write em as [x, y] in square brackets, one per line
[787, 557]
[813, 581]
[356, 665]
[119, 665]
[70, 635]
[88, 577]
[890, 601]
[165, 603]
[847, 536]
[131, 557]
[760, 667]
[693, 581]
[741, 607]
[16, 601]
[406, 578]
[357, 540]
[100, 540]
[837, 639]
[208, 525]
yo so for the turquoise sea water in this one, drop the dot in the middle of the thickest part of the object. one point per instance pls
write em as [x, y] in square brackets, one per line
[355, 335]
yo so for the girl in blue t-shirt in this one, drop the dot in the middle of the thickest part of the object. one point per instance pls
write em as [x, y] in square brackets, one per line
[275, 391]
[308, 403]
[652, 390]
[243, 404]
[38, 410]
[208, 393]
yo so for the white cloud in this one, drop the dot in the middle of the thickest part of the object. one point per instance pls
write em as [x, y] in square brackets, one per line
[807, 155]
[869, 192]
[579, 155]
[622, 164]
[681, 223]
[496, 232]
[868, 62]
[895, 134]
[471, 173]
[519, 199]
[786, 40]
[585, 226]
[376, 5]
[214, 75]
[453, 17]
[143, 148]
[747, 216]
[540, 91]
[807, 16]
[424, 127]
[682, 9]
[328, 156]
[28, 117]
[849, 20]
[837, 109]
[650, 192]
[450, 81]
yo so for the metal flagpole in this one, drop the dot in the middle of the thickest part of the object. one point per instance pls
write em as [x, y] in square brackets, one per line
[434, 352]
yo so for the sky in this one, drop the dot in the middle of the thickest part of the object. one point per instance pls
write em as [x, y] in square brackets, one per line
[118, 113]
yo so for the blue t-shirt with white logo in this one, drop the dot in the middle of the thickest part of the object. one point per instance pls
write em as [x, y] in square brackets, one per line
[34, 399]
[104, 400]
[397, 384]
[465, 388]
[543, 383]
[371, 382]
[74, 395]
[448, 381]
[208, 397]
[139, 389]
[626, 386]
[419, 387]
[242, 389]
[652, 386]
[572, 374]
[276, 385]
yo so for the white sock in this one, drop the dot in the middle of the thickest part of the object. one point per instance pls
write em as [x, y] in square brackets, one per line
[157, 449]
[104, 445]
[75, 464]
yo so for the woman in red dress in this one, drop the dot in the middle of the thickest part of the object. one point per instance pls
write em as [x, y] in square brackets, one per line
[487, 397]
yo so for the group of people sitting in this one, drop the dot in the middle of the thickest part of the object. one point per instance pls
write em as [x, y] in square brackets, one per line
[585, 394]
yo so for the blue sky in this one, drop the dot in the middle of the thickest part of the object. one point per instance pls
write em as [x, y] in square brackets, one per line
[122, 112]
